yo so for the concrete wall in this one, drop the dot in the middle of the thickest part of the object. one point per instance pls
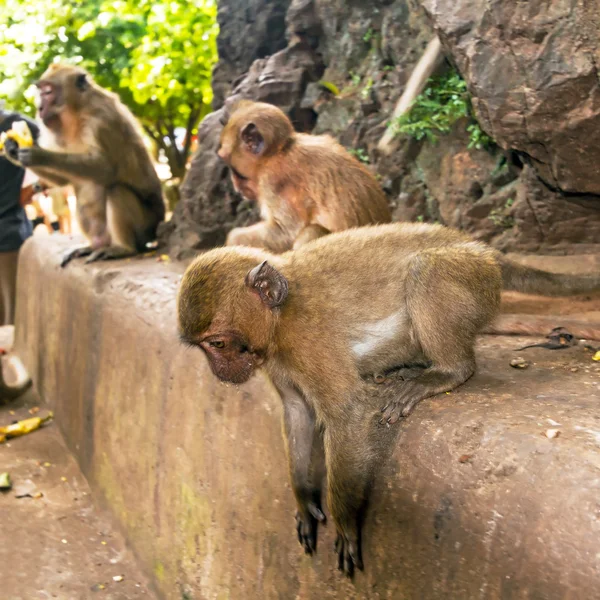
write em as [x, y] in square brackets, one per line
[475, 503]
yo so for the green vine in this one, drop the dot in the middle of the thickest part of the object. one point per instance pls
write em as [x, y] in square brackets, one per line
[434, 112]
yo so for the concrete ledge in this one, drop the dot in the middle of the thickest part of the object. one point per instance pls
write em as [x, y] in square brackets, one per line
[475, 503]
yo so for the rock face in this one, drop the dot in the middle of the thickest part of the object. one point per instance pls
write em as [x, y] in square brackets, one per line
[341, 66]
[532, 68]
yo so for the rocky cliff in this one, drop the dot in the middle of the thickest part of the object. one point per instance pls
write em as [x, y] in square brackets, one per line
[339, 67]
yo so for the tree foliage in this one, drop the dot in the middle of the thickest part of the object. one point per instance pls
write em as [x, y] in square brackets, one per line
[157, 55]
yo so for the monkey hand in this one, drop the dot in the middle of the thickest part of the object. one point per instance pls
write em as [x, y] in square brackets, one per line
[347, 547]
[308, 518]
[31, 157]
[11, 151]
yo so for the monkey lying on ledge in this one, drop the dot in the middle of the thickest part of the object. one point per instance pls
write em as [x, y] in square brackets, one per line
[323, 319]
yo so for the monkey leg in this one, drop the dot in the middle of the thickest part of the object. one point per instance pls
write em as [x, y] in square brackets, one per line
[450, 298]
[130, 226]
[306, 465]
[309, 233]
[267, 235]
[91, 216]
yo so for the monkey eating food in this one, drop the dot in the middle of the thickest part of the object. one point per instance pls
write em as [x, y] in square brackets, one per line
[91, 140]
[306, 185]
[335, 318]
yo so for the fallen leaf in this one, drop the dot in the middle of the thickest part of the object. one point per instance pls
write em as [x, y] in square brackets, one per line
[5, 482]
[97, 587]
[465, 458]
[596, 356]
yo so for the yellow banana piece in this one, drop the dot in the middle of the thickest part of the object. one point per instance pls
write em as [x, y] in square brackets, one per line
[19, 132]
[23, 427]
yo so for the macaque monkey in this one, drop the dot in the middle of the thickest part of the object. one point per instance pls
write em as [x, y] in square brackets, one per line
[306, 185]
[396, 306]
[91, 140]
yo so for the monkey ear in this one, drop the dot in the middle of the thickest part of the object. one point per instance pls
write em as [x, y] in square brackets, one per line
[252, 139]
[271, 285]
[82, 83]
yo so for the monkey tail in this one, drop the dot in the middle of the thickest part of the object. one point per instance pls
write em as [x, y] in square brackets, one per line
[519, 278]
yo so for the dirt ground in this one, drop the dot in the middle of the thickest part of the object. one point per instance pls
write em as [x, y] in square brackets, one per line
[55, 542]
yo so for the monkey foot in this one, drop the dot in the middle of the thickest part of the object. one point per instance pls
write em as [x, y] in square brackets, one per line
[77, 253]
[349, 555]
[307, 525]
[410, 394]
[109, 253]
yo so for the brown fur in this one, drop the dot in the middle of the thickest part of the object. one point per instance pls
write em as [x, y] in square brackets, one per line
[354, 330]
[306, 185]
[91, 140]
[444, 289]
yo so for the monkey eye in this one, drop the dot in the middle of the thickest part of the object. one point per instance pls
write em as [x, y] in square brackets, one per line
[217, 344]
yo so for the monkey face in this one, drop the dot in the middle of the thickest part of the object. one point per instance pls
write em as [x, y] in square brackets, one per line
[229, 312]
[252, 133]
[231, 358]
[60, 86]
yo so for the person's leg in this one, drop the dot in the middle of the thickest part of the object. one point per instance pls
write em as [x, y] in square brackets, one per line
[8, 286]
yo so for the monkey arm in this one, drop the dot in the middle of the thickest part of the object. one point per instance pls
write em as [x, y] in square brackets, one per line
[305, 464]
[48, 176]
[89, 166]
[266, 234]
[354, 448]
[309, 233]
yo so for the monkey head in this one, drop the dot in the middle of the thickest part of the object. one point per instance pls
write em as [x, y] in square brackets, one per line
[61, 87]
[228, 306]
[254, 131]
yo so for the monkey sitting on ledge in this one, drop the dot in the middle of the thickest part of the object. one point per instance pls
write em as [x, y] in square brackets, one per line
[91, 140]
[321, 320]
[306, 185]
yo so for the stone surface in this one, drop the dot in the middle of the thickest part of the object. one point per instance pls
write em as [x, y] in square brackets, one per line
[476, 501]
[36, 563]
[249, 30]
[532, 68]
[209, 206]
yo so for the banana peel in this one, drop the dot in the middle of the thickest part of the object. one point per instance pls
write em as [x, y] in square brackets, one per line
[20, 133]
[23, 427]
